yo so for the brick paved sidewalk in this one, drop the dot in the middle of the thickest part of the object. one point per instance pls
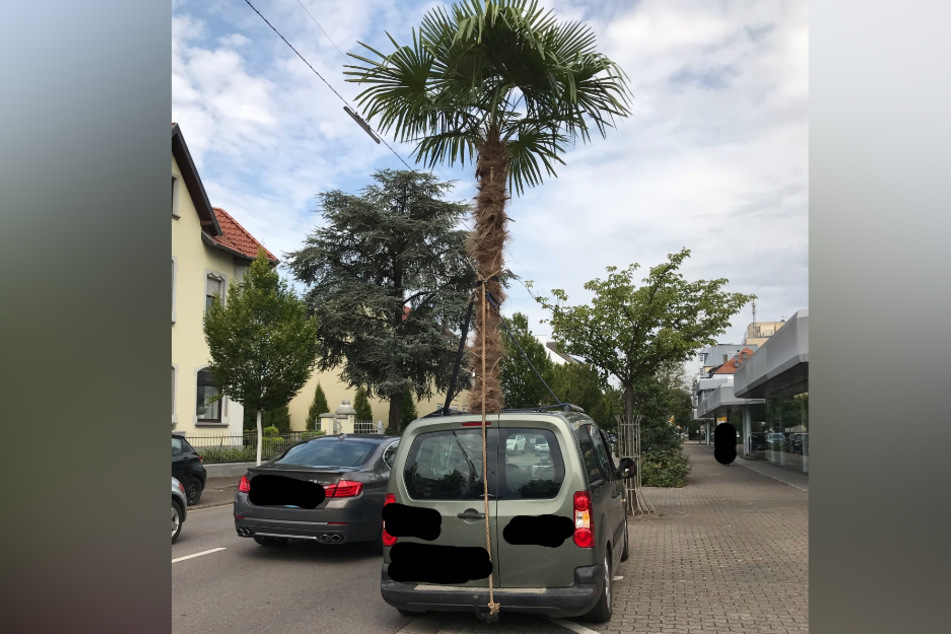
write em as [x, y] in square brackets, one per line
[726, 554]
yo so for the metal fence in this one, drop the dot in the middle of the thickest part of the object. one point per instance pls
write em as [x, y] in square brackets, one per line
[222, 448]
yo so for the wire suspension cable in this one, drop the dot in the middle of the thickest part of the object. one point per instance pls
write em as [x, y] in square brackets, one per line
[524, 354]
[352, 113]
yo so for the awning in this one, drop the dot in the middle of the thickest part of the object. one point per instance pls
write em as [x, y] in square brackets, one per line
[780, 367]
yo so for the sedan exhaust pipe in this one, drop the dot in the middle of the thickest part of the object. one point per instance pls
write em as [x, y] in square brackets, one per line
[324, 539]
[336, 538]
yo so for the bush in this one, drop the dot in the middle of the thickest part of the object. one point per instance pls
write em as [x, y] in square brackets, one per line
[317, 407]
[271, 431]
[362, 405]
[312, 434]
[667, 468]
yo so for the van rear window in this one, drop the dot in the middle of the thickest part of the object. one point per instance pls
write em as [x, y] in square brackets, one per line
[534, 467]
[446, 465]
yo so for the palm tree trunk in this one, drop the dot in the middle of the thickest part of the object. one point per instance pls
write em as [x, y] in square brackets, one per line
[485, 246]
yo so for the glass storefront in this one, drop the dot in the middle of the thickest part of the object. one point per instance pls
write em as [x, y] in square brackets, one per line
[780, 432]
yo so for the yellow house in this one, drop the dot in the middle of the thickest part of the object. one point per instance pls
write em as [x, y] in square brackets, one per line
[210, 250]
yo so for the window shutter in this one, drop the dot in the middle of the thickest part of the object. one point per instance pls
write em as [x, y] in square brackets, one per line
[214, 287]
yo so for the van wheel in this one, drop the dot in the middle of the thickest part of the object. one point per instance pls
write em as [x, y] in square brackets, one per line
[603, 609]
[625, 552]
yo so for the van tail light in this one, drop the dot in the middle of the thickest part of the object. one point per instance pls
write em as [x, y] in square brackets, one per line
[200, 459]
[343, 489]
[388, 540]
[584, 527]
[245, 485]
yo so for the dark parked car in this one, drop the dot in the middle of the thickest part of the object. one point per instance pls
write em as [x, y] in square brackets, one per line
[187, 467]
[758, 441]
[179, 508]
[328, 489]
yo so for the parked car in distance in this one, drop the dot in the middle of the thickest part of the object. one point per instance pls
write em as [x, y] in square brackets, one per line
[758, 441]
[515, 443]
[328, 489]
[541, 446]
[179, 508]
[797, 442]
[557, 520]
[775, 440]
[188, 468]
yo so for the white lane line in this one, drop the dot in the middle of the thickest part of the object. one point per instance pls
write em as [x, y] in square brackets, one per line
[207, 552]
[619, 578]
[574, 627]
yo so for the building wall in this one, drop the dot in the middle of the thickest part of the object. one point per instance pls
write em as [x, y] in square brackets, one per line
[192, 260]
[335, 391]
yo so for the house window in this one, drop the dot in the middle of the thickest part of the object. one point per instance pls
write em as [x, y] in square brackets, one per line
[214, 287]
[175, 213]
[208, 406]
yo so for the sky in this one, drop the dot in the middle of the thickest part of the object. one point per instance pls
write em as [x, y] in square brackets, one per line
[713, 156]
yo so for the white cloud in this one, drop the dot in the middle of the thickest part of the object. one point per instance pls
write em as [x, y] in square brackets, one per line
[713, 156]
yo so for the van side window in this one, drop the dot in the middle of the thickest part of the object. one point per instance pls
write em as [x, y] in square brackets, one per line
[601, 450]
[592, 466]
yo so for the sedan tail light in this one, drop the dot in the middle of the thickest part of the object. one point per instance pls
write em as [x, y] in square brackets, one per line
[584, 526]
[245, 485]
[344, 489]
[388, 540]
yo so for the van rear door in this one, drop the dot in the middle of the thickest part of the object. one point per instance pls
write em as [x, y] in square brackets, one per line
[443, 472]
[535, 525]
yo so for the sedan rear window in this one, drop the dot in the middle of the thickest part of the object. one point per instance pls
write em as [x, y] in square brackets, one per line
[330, 452]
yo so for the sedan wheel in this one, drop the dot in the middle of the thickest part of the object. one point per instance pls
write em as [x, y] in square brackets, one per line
[193, 491]
[176, 522]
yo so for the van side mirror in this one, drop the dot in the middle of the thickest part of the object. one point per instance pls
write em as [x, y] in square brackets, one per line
[627, 468]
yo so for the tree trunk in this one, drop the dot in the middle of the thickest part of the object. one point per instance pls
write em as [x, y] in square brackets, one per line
[396, 410]
[629, 404]
[259, 438]
[485, 246]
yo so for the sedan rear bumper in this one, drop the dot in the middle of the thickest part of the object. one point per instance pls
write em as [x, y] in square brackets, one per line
[576, 600]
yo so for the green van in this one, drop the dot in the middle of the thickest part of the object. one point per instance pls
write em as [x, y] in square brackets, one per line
[557, 524]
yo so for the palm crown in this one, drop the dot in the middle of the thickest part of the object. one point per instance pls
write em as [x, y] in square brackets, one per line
[502, 83]
[503, 69]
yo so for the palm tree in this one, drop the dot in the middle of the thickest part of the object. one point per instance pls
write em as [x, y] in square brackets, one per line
[503, 83]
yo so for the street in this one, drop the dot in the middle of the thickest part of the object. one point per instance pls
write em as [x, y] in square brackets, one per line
[729, 552]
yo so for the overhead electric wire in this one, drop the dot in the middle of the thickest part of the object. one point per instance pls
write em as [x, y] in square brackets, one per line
[339, 96]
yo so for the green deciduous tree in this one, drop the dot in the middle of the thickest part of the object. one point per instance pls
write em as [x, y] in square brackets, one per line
[521, 387]
[317, 407]
[388, 279]
[503, 84]
[262, 342]
[578, 384]
[633, 333]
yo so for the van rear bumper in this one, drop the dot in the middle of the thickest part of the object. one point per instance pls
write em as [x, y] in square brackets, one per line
[572, 601]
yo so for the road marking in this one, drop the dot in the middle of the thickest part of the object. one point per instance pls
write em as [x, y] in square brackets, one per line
[618, 578]
[207, 552]
[574, 627]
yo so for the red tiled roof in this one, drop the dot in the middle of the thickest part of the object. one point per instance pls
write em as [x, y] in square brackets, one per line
[236, 238]
[731, 366]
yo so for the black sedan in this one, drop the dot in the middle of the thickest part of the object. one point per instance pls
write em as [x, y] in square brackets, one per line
[329, 489]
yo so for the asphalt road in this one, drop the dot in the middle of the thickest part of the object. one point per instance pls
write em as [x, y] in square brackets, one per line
[248, 588]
